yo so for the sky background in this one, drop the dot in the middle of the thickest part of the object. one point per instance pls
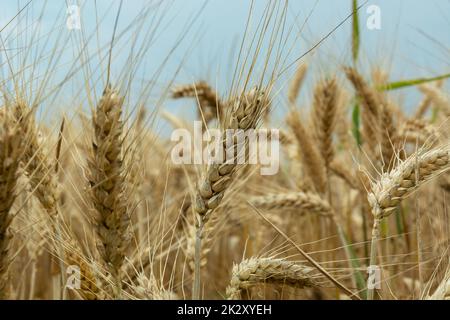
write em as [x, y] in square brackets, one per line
[192, 40]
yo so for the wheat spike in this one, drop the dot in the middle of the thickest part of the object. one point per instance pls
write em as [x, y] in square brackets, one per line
[442, 292]
[89, 289]
[388, 135]
[342, 171]
[396, 185]
[309, 153]
[416, 131]
[438, 97]
[208, 99]
[245, 115]
[303, 201]
[107, 180]
[11, 149]
[324, 112]
[426, 102]
[253, 271]
[36, 158]
[371, 112]
[296, 83]
[147, 288]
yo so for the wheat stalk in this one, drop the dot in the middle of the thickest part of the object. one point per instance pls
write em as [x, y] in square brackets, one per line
[253, 271]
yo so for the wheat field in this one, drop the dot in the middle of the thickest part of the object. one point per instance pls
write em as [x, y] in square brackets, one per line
[93, 207]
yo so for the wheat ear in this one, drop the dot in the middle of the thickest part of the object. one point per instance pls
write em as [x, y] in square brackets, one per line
[371, 113]
[438, 97]
[324, 112]
[296, 83]
[147, 288]
[11, 149]
[253, 271]
[89, 289]
[209, 102]
[388, 134]
[399, 183]
[42, 177]
[302, 201]
[37, 162]
[107, 180]
[417, 131]
[442, 292]
[245, 113]
[426, 102]
[309, 152]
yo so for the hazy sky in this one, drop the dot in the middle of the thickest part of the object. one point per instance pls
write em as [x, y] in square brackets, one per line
[414, 39]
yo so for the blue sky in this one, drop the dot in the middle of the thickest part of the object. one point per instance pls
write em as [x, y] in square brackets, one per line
[414, 39]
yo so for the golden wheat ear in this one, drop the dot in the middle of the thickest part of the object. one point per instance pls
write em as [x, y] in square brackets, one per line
[325, 105]
[37, 160]
[370, 113]
[11, 150]
[253, 271]
[302, 201]
[245, 113]
[210, 105]
[405, 178]
[89, 285]
[107, 177]
[308, 152]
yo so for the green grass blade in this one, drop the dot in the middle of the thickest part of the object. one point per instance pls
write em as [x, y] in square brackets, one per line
[355, 31]
[356, 124]
[360, 281]
[412, 82]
